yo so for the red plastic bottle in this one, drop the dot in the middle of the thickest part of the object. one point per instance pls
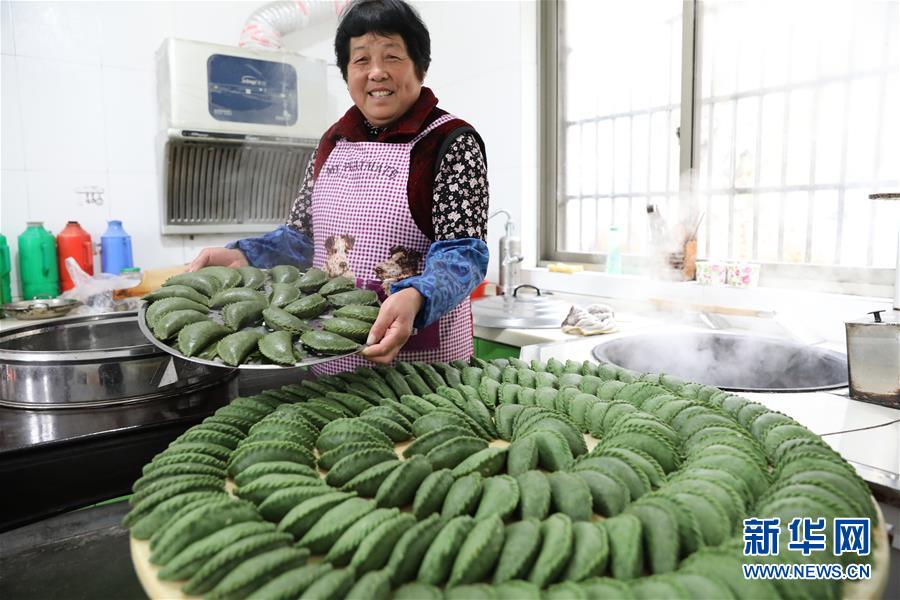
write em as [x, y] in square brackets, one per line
[75, 242]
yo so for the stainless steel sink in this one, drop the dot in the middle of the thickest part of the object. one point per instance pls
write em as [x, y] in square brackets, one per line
[731, 361]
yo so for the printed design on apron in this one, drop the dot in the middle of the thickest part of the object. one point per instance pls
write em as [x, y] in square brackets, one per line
[337, 255]
[402, 262]
[363, 229]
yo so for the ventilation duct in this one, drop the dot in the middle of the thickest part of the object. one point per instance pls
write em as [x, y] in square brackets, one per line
[269, 24]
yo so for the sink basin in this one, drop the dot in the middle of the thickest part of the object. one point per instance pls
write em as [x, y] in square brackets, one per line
[730, 361]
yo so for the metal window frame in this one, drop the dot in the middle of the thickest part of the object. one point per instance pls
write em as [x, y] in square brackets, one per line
[552, 159]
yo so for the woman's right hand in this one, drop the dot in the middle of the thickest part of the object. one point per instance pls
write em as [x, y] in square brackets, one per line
[218, 257]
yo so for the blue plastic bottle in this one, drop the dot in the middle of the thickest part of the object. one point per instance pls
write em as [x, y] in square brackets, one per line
[115, 249]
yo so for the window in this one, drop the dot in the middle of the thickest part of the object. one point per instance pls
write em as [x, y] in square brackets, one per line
[791, 124]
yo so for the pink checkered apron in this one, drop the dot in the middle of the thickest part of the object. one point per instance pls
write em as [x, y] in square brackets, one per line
[360, 213]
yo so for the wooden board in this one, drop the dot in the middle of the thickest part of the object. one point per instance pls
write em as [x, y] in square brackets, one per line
[871, 589]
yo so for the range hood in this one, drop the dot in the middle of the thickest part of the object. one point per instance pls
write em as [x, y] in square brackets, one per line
[237, 128]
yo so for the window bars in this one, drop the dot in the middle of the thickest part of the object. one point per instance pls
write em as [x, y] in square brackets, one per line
[791, 126]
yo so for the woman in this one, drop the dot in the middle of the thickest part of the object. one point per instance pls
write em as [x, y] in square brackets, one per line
[396, 195]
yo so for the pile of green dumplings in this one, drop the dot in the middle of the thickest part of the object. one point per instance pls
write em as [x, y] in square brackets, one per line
[474, 479]
[245, 315]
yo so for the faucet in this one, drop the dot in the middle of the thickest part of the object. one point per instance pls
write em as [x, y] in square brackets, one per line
[510, 255]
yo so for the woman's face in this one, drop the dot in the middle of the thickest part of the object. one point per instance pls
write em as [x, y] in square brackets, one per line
[382, 77]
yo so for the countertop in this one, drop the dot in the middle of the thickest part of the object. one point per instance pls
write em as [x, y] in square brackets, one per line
[867, 435]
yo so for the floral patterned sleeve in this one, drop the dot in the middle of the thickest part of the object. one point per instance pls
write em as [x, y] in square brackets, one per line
[461, 192]
[300, 217]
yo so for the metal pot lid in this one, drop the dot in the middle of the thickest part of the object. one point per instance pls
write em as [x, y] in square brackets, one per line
[520, 310]
[41, 308]
[878, 317]
[76, 339]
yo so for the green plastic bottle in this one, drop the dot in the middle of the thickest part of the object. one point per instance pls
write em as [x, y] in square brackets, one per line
[5, 270]
[37, 263]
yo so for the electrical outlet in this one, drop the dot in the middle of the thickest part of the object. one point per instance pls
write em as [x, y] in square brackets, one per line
[90, 195]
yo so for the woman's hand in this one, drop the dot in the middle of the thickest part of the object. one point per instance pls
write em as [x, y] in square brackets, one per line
[218, 257]
[393, 326]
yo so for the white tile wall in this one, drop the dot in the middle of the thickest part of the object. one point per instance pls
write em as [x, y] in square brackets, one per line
[13, 216]
[217, 22]
[79, 106]
[129, 118]
[122, 44]
[455, 25]
[49, 191]
[62, 114]
[12, 146]
[68, 31]
[7, 31]
[490, 111]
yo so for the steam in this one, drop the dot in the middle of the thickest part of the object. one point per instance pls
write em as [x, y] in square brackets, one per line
[730, 361]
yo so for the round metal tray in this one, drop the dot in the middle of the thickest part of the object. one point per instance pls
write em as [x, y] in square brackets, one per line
[92, 361]
[32, 310]
[216, 316]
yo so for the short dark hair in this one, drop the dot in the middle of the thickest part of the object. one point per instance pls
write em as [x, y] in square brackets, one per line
[384, 17]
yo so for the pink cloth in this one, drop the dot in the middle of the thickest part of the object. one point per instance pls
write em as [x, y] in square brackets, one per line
[362, 228]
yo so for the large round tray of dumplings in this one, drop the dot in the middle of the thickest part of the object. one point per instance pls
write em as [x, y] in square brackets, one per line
[499, 479]
[250, 318]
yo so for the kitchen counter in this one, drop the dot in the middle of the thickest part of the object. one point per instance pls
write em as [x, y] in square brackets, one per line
[865, 434]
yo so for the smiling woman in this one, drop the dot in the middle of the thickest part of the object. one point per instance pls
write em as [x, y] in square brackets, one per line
[395, 197]
[381, 77]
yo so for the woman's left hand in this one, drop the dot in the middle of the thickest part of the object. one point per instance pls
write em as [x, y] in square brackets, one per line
[393, 326]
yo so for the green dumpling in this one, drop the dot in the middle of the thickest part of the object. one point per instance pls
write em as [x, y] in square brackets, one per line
[204, 283]
[279, 319]
[358, 311]
[353, 297]
[171, 323]
[338, 284]
[243, 314]
[195, 337]
[325, 342]
[283, 294]
[312, 280]
[227, 276]
[308, 307]
[253, 278]
[236, 347]
[278, 347]
[177, 291]
[350, 328]
[284, 274]
[167, 305]
[232, 295]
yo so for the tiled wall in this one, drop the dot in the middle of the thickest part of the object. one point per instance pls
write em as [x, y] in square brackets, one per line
[79, 105]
